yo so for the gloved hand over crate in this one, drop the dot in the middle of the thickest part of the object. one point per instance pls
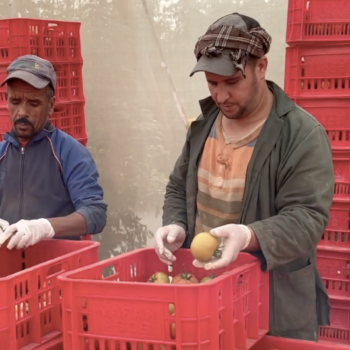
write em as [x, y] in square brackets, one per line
[167, 240]
[26, 233]
[233, 239]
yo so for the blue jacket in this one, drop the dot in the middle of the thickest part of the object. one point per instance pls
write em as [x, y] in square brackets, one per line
[53, 176]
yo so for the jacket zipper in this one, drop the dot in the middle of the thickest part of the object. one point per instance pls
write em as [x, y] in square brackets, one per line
[21, 182]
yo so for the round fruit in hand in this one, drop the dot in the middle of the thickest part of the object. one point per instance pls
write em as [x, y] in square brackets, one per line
[204, 246]
[185, 278]
[159, 277]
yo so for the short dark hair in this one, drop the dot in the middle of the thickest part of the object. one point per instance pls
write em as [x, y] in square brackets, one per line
[252, 60]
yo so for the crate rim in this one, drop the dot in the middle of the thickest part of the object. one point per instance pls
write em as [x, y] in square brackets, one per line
[66, 276]
[88, 246]
[39, 19]
[320, 345]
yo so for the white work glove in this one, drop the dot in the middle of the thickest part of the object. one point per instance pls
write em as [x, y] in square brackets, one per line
[167, 240]
[3, 226]
[234, 239]
[26, 233]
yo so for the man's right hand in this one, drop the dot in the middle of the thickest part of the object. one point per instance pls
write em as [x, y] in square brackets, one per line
[167, 240]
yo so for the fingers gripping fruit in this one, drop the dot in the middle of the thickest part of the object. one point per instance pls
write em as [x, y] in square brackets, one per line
[204, 246]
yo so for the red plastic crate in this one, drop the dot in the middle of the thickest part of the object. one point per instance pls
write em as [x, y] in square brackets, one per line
[124, 312]
[333, 114]
[318, 21]
[340, 216]
[53, 40]
[338, 239]
[274, 343]
[339, 330]
[70, 118]
[69, 85]
[318, 71]
[334, 267]
[5, 122]
[341, 163]
[30, 303]
[54, 344]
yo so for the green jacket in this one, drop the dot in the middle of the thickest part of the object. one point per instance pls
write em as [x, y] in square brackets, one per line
[288, 194]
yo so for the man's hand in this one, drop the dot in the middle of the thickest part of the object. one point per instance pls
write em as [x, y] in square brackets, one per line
[3, 226]
[167, 240]
[234, 239]
[26, 233]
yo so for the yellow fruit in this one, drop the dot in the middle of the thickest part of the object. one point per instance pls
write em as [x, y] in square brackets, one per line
[159, 277]
[203, 246]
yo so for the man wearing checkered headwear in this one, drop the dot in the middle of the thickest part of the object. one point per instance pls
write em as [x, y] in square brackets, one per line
[256, 171]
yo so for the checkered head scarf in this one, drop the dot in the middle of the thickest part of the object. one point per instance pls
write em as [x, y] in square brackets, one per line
[232, 38]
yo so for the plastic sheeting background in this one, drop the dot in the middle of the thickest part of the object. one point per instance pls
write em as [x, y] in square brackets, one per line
[137, 58]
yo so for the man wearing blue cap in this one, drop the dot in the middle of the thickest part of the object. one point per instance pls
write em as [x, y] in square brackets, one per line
[49, 184]
[256, 171]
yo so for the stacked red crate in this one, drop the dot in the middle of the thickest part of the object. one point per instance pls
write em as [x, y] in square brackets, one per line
[59, 42]
[318, 79]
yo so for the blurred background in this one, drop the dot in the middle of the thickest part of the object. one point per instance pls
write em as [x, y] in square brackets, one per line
[137, 58]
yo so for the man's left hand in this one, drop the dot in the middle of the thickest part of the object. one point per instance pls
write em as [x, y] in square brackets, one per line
[26, 233]
[234, 239]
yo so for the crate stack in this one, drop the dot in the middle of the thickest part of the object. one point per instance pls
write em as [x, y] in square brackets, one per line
[59, 42]
[318, 79]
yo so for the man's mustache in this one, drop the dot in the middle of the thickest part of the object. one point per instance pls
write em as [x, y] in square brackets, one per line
[23, 121]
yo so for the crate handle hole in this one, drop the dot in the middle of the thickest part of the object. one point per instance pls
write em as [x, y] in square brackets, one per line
[108, 271]
[85, 323]
[171, 309]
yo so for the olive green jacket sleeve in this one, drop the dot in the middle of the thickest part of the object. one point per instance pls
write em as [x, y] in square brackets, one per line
[304, 193]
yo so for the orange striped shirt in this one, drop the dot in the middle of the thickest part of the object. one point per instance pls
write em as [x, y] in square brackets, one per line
[221, 178]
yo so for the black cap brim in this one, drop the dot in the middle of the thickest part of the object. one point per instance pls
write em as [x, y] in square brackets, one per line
[29, 78]
[221, 65]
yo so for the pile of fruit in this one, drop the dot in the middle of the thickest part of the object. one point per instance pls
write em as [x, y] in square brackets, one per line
[203, 248]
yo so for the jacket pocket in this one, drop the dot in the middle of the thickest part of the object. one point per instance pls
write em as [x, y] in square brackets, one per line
[294, 301]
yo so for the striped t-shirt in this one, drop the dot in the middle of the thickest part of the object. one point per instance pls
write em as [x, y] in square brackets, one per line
[221, 178]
